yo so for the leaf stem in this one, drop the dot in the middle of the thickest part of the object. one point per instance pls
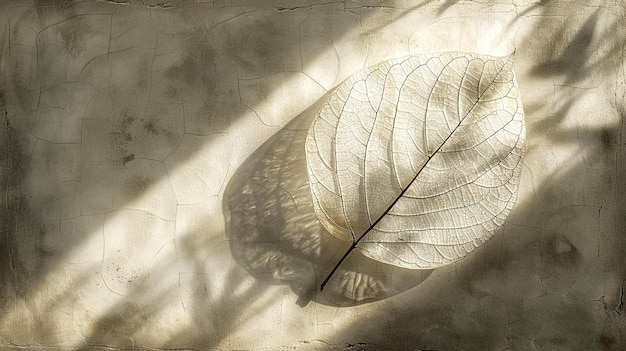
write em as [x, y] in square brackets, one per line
[337, 266]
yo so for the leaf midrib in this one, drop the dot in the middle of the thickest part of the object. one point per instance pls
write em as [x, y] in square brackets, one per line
[429, 158]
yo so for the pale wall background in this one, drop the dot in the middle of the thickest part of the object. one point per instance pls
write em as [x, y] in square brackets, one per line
[154, 190]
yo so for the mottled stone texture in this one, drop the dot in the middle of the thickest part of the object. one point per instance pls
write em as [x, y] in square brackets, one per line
[154, 187]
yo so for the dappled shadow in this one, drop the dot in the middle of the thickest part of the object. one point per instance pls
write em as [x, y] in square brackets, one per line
[573, 59]
[553, 277]
[275, 234]
[574, 51]
[209, 310]
[540, 283]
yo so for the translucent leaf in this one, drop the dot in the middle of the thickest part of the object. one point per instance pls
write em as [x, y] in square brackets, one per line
[417, 160]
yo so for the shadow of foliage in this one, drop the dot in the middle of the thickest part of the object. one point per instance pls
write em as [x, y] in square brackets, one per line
[573, 51]
[553, 279]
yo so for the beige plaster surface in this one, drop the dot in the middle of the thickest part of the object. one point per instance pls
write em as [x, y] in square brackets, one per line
[155, 194]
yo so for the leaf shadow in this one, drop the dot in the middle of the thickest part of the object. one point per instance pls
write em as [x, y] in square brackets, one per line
[582, 51]
[445, 6]
[200, 329]
[573, 58]
[275, 235]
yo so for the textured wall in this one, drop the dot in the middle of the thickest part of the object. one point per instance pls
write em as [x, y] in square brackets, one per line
[155, 189]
